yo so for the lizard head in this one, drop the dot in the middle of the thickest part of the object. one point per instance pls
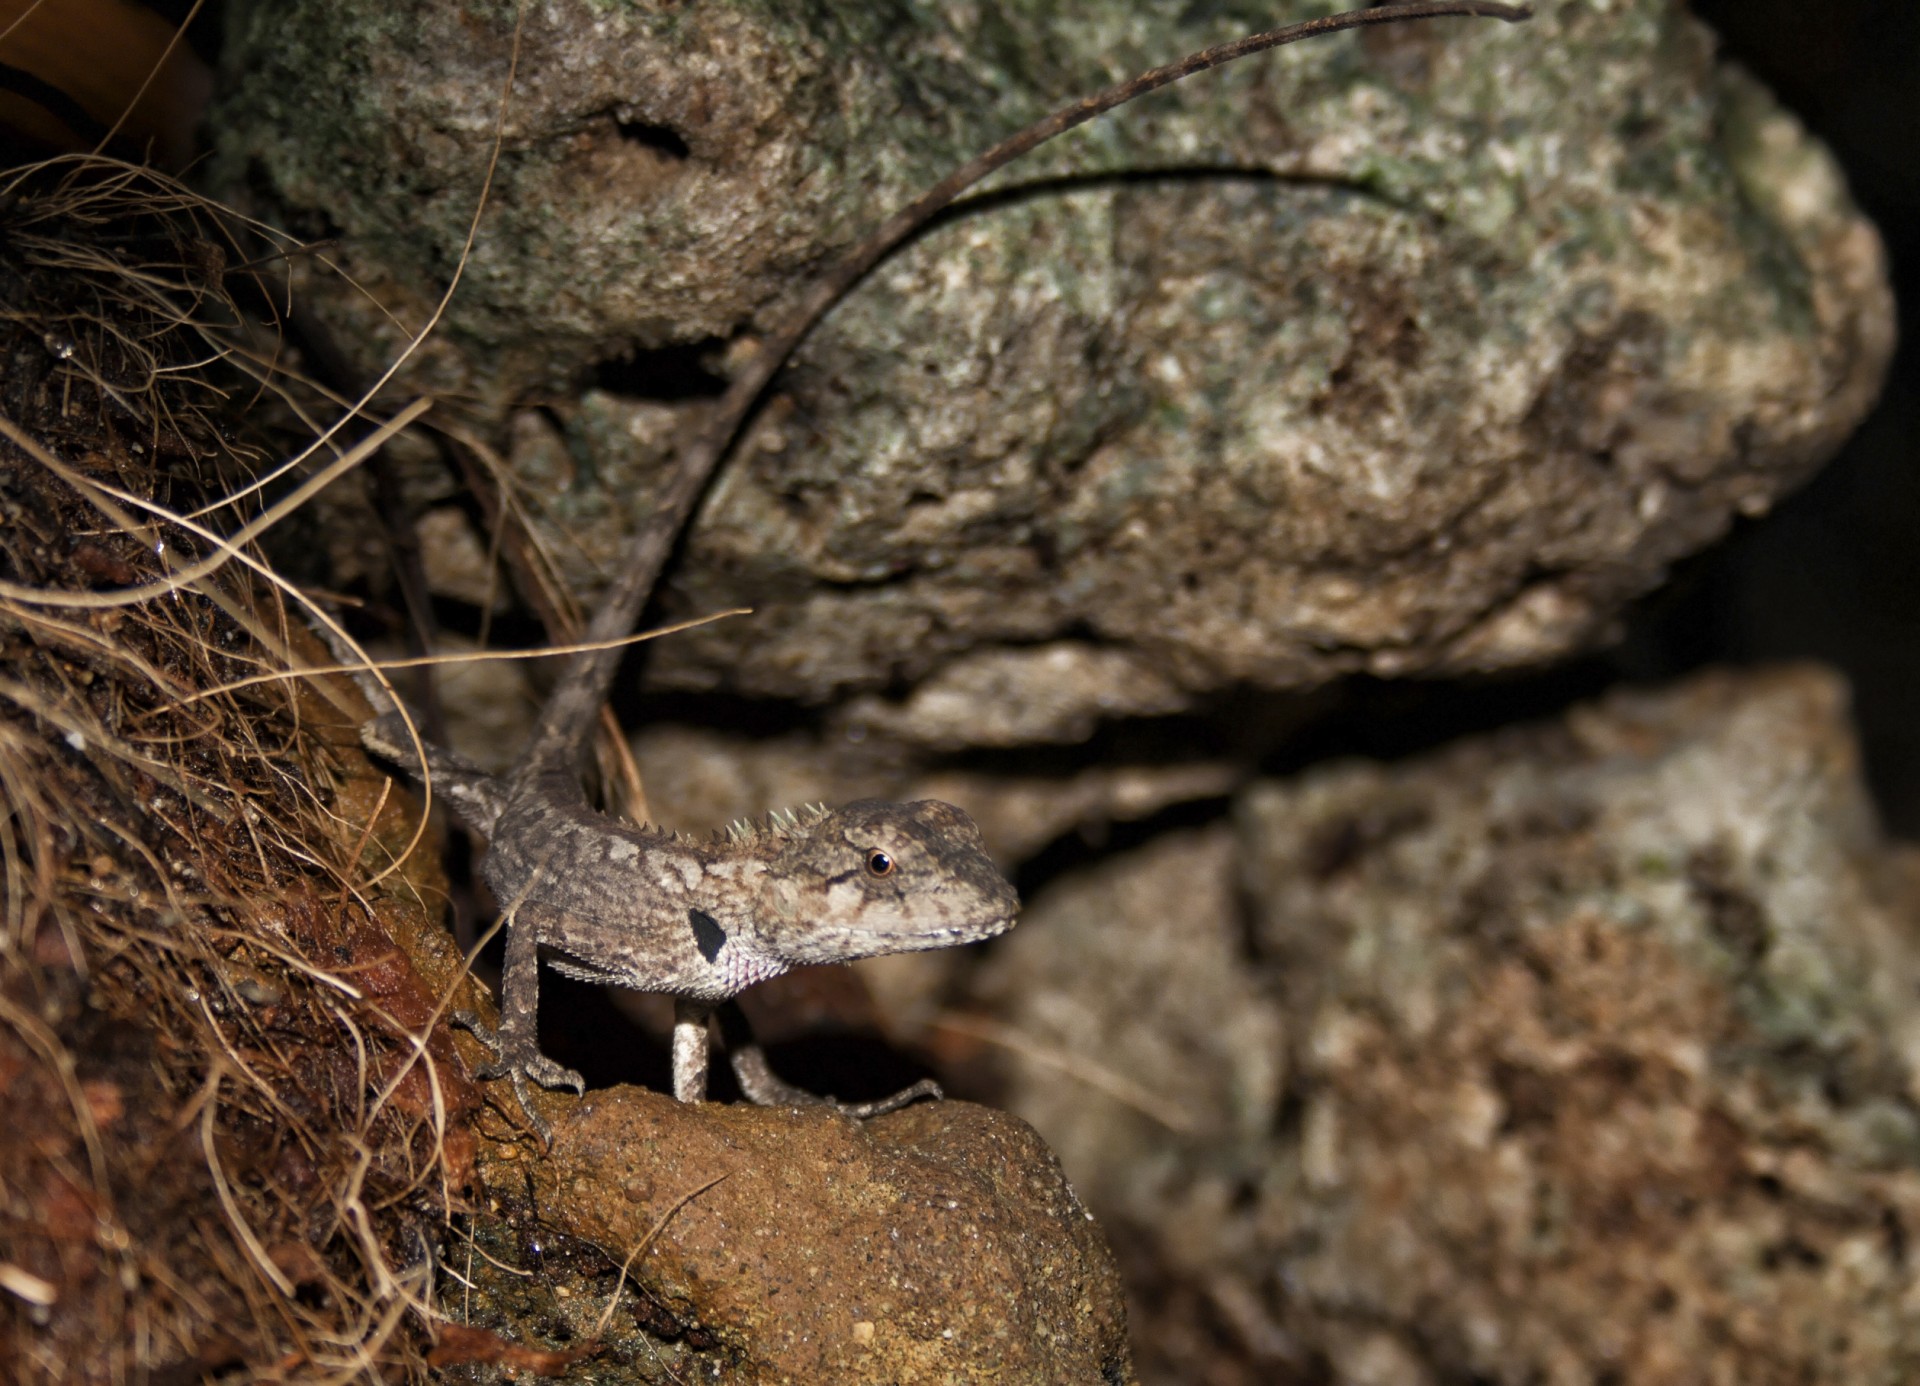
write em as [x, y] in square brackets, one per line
[877, 877]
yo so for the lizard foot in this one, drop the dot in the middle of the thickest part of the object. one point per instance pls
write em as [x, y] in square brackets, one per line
[880, 1106]
[760, 1085]
[518, 1057]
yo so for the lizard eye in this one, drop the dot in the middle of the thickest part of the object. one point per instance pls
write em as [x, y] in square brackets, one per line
[879, 863]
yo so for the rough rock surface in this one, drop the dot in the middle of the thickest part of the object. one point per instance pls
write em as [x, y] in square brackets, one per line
[1600, 1059]
[1413, 352]
[937, 1244]
[1170, 1033]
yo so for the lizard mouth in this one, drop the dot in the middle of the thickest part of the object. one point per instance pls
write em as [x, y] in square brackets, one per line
[914, 938]
[985, 927]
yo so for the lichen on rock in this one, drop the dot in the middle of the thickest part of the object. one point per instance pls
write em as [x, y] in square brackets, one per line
[1411, 352]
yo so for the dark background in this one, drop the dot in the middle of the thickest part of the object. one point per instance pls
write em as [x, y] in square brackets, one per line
[1834, 573]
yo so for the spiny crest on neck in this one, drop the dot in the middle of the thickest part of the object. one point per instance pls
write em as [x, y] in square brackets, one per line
[777, 823]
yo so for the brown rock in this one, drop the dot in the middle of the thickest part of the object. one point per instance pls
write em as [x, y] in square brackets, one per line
[937, 1244]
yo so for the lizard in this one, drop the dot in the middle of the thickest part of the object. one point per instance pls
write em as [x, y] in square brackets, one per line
[702, 919]
[649, 909]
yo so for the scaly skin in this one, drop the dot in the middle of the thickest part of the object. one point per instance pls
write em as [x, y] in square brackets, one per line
[701, 920]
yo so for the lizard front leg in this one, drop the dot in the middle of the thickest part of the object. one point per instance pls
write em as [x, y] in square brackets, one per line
[690, 1049]
[516, 1044]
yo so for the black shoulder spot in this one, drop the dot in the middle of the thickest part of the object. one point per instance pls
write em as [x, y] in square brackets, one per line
[708, 936]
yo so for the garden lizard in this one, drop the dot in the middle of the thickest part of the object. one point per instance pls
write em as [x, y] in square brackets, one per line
[702, 920]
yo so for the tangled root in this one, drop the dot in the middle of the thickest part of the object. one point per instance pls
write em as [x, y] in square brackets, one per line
[233, 1128]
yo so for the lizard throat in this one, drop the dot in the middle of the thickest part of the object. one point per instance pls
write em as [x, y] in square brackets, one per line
[739, 969]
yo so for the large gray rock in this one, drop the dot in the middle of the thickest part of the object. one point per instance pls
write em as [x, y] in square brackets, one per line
[1582, 1053]
[1414, 352]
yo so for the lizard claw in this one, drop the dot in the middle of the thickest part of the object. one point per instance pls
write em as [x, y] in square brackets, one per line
[470, 1022]
[519, 1058]
[893, 1102]
[548, 1074]
[759, 1084]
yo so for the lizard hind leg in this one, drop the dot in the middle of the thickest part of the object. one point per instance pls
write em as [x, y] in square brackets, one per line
[765, 1088]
